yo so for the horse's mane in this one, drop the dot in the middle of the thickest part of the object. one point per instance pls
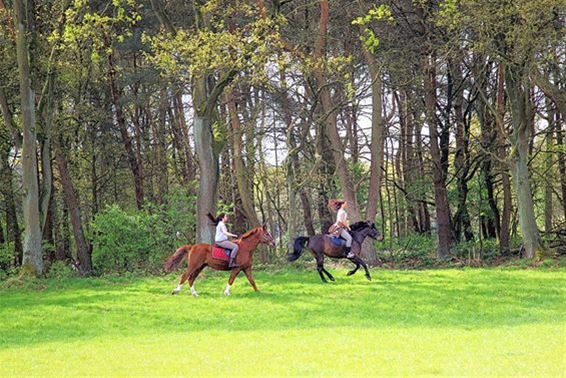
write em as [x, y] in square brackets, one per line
[249, 233]
[359, 225]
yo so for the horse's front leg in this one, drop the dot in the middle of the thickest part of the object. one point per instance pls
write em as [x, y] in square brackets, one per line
[248, 273]
[363, 263]
[355, 268]
[330, 276]
[233, 275]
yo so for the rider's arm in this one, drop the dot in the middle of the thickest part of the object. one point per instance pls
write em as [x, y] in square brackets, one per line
[225, 231]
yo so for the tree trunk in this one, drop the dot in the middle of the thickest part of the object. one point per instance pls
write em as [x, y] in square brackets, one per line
[519, 98]
[32, 250]
[407, 158]
[208, 168]
[504, 228]
[561, 163]
[368, 252]
[72, 202]
[6, 180]
[444, 229]
[549, 176]
[239, 168]
[161, 149]
[462, 223]
[329, 118]
[292, 163]
[134, 163]
[12, 228]
[376, 145]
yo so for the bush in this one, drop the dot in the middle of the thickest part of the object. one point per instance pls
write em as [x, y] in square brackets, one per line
[6, 256]
[412, 251]
[128, 241]
[61, 270]
[487, 250]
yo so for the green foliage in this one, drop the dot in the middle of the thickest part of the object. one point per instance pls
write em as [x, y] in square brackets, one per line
[177, 214]
[210, 46]
[128, 241]
[141, 239]
[398, 324]
[486, 250]
[413, 251]
[6, 257]
[377, 13]
[61, 270]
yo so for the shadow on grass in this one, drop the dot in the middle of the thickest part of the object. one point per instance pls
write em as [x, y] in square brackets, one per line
[85, 308]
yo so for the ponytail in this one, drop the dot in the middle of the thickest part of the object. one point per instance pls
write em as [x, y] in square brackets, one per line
[215, 220]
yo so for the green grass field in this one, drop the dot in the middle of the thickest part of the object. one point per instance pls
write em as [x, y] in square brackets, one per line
[437, 322]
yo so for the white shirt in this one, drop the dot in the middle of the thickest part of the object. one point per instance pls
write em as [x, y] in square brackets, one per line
[221, 232]
[342, 216]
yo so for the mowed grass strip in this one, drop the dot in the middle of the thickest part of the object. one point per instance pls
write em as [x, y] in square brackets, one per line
[438, 322]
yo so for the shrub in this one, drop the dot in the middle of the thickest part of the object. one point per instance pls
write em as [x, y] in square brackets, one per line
[412, 251]
[125, 241]
[60, 270]
[487, 250]
[6, 256]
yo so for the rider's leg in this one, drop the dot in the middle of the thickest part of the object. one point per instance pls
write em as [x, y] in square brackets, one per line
[234, 247]
[346, 236]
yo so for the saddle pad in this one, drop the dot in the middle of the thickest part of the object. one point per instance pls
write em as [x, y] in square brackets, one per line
[221, 253]
[338, 241]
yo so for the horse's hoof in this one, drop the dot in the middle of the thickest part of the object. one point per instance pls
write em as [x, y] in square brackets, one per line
[368, 277]
[350, 273]
[175, 292]
[226, 293]
[331, 279]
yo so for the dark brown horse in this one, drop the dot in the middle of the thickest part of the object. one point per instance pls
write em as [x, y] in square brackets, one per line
[322, 245]
[199, 256]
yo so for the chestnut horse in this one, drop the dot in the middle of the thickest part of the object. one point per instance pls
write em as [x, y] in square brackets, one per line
[199, 256]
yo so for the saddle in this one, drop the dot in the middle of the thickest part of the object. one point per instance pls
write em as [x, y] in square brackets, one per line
[221, 253]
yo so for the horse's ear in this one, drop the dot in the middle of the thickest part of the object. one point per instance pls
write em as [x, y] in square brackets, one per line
[264, 225]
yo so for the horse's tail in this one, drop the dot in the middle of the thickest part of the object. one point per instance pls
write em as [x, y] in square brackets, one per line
[175, 259]
[298, 248]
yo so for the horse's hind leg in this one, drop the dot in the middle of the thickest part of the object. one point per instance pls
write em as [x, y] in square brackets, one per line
[182, 281]
[192, 279]
[190, 270]
[320, 268]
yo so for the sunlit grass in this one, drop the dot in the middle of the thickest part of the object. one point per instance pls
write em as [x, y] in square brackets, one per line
[465, 322]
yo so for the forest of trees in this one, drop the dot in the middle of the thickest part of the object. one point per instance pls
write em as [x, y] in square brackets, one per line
[127, 121]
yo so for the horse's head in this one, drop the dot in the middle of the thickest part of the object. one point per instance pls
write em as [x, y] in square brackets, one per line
[368, 228]
[374, 233]
[265, 236]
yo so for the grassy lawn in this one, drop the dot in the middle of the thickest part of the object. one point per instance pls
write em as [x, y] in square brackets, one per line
[437, 322]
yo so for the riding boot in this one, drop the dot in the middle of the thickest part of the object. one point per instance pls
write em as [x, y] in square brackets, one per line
[232, 263]
[349, 253]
